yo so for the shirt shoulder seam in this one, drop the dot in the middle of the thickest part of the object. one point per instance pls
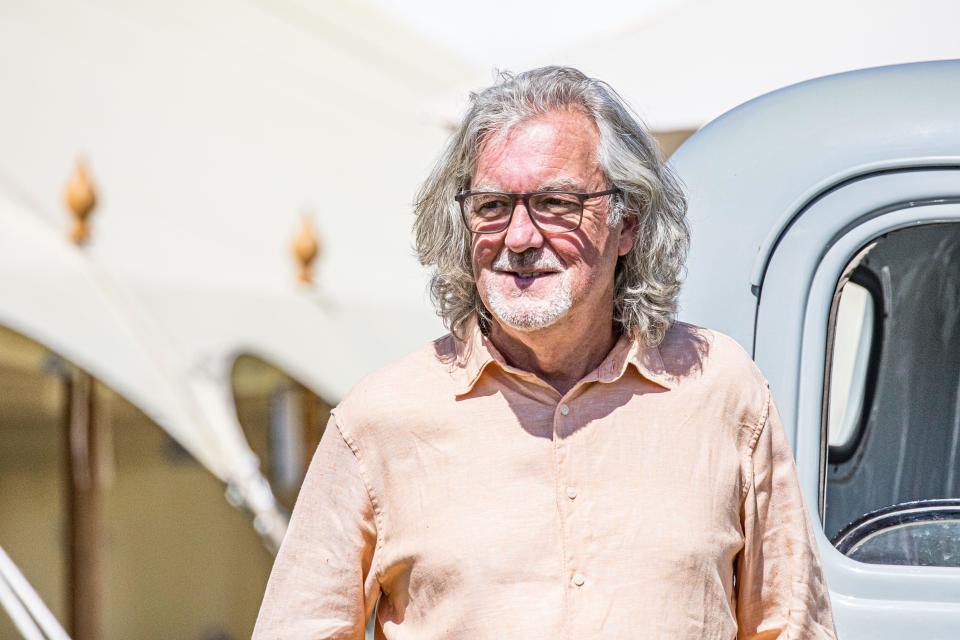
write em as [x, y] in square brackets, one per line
[371, 495]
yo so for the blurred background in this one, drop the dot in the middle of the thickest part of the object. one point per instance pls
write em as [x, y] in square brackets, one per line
[205, 213]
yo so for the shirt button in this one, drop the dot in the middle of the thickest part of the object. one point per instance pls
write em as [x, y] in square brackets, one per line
[571, 492]
[564, 409]
[578, 579]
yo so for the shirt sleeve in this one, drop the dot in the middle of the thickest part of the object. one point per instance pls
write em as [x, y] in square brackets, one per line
[781, 593]
[323, 584]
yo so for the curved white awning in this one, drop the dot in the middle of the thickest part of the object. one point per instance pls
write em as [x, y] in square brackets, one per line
[52, 293]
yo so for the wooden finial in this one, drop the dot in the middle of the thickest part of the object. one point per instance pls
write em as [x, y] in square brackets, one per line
[81, 198]
[306, 248]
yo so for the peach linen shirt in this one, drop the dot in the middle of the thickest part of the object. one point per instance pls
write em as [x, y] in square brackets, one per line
[657, 499]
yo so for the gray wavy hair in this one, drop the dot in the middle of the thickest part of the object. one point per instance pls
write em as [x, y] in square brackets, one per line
[647, 278]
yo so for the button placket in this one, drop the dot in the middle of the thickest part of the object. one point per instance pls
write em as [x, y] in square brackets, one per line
[568, 491]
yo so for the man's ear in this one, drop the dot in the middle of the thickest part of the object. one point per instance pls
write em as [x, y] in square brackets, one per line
[629, 228]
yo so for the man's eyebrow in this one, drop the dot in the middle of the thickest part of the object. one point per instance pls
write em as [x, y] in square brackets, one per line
[560, 184]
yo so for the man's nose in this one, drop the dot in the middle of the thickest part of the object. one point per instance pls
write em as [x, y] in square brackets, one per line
[522, 234]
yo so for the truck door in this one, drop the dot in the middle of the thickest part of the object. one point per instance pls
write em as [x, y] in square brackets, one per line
[858, 330]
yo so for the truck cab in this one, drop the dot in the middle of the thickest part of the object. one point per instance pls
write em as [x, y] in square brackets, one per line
[825, 223]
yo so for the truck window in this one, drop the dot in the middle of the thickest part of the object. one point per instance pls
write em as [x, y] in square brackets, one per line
[854, 343]
[892, 411]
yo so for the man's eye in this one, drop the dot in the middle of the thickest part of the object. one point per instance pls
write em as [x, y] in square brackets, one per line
[490, 206]
[557, 203]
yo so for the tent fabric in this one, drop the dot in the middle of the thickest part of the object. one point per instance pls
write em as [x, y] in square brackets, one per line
[55, 295]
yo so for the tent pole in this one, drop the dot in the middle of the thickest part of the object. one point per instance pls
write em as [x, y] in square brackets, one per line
[312, 425]
[84, 510]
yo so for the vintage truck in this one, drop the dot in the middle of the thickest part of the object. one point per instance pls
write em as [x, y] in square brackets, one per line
[826, 240]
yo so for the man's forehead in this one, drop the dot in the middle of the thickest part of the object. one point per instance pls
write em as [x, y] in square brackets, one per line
[556, 150]
[546, 130]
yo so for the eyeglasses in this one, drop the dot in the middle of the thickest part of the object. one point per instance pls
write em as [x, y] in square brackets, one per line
[550, 211]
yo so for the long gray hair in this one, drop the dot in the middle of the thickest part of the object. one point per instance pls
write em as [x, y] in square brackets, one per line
[647, 278]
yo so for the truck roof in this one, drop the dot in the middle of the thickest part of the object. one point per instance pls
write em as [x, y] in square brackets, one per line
[753, 170]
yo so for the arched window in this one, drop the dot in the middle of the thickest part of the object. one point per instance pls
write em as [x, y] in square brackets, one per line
[283, 422]
[176, 560]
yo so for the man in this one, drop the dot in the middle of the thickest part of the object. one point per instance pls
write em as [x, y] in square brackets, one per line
[569, 462]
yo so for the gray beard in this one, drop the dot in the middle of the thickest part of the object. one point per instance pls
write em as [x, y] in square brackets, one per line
[518, 309]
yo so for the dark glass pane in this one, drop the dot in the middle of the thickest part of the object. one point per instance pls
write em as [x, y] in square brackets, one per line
[927, 544]
[904, 445]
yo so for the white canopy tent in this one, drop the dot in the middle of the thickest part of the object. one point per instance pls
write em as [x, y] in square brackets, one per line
[209, 128]
[52, 293]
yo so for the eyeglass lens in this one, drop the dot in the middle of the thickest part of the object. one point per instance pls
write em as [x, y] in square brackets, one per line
[551, 211]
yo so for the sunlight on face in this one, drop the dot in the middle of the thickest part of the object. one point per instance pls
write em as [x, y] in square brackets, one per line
[522, 308]
[529, 279]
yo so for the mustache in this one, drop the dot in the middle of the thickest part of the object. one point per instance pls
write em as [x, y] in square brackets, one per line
[536, 258]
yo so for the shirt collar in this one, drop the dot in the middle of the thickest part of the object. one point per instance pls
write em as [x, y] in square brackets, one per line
[475, 352]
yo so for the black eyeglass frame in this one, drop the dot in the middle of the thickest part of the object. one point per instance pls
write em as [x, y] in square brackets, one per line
[525, 199]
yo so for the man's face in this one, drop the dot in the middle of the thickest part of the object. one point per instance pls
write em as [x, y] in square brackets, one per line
[530, 280]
